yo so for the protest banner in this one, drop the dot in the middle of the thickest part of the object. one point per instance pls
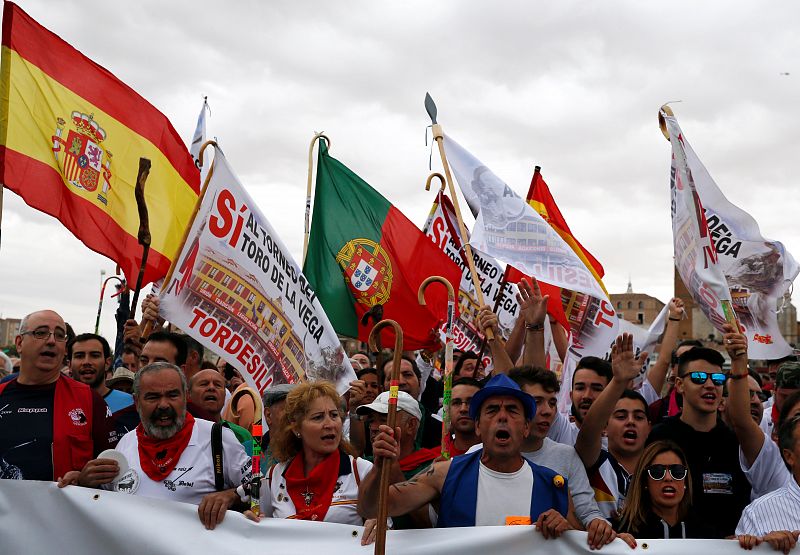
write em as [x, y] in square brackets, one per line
[721, 255]
[237, 290]
[111, 522]
[508, 229]
[442, 230]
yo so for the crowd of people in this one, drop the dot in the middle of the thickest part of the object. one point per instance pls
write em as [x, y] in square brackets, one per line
[704, 448]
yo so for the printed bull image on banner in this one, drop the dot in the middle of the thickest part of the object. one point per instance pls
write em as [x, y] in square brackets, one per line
[238, 291]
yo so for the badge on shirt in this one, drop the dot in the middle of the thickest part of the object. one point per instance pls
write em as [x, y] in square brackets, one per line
[518, 521]
[718, 482]
[128, 482]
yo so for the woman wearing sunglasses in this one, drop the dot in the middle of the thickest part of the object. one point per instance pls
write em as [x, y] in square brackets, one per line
[659, 498]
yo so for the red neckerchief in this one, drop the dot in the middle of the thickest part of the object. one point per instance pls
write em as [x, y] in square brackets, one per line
[312, 494]
[451, 447]
[158, 457]
[775, 415]
[412, 461]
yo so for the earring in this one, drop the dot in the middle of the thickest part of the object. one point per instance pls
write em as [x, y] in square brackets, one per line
[297, 434]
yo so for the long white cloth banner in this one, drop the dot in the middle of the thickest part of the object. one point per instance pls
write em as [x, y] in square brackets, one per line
[238, 291]
[93, 522]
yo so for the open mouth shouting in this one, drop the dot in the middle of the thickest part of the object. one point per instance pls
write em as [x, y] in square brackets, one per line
[502, 437]
[709, 397]
[629, 437]
[669, 492]
[328, 438]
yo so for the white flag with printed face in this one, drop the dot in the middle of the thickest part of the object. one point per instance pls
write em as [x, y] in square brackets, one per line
[238, 291]
[722, 256]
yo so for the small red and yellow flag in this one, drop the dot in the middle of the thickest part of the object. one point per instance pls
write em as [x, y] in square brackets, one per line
[542, 201]
[71, 135]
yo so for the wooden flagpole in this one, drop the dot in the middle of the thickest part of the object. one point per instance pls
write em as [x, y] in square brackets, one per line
[438, 135]
[149, 325]
[307, 229]
[391, 417]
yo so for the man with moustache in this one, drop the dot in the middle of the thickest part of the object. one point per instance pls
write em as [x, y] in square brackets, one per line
[49, 424]
[622, 414]
[89, 359]
[491, 487]
[169, 452]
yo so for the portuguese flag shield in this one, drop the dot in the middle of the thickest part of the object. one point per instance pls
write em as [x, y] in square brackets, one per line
[364, 253]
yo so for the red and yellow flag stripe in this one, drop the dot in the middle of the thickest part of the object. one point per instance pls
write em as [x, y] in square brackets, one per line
[71, 135]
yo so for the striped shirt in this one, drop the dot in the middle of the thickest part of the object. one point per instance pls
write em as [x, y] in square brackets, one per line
[779, 510]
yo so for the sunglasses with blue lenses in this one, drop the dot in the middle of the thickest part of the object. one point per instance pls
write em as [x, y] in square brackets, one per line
[659, 471]
[699, 378]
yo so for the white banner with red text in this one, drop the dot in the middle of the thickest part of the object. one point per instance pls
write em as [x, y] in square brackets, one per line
[722, 256]
[237, 290]
[94, 522]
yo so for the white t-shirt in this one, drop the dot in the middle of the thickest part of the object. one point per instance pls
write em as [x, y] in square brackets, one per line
[276, 502]
[501, 495]
[648, 392]
[766, 422]
[193, 476]
[563, 430]
[768, 472]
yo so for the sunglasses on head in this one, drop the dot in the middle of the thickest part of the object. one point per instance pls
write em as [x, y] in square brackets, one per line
[699, 378]
[658, 471]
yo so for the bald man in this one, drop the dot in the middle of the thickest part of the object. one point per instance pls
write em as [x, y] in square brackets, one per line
[51, 424]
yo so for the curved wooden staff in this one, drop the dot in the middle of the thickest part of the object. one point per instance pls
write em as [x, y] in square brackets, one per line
[448, 355]
[100, 304]
[148, 326]
[144, 227]
[391, 417]
[307, 229]
[442, 182]
[438, 135]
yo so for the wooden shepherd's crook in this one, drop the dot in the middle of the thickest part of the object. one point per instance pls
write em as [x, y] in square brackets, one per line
[391, 417]
[144, 227]
[148, 326]
[442, 182]
[307, 229]
[438, 135]
[448, 355]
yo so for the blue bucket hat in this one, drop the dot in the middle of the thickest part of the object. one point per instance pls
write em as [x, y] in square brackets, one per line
[502, 385]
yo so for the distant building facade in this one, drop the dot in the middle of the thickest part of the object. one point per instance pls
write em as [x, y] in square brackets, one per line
[9, 329]
[638, 308]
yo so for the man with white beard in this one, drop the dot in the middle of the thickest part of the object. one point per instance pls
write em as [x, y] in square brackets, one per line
[170, 453]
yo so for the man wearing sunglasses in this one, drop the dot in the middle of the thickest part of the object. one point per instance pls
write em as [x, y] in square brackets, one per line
[720, 488]
[50, 424]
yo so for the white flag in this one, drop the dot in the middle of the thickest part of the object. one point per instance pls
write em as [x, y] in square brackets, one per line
[510, 230]
[238, 291]
[722, 256]
[198, 139]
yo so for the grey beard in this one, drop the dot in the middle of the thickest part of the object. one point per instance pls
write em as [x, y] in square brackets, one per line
[163, 432]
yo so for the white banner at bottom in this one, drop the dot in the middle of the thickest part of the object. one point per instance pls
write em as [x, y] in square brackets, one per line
[37, 517]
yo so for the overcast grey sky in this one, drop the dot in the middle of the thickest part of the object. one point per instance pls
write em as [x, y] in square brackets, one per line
[572, 86]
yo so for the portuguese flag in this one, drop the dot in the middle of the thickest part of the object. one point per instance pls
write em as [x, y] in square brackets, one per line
[71, 135]
[363, 252]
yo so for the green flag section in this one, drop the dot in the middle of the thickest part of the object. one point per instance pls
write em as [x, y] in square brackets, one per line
[363, 252]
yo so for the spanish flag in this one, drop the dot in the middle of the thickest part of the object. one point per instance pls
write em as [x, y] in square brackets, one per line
[71, 135]
[542, 201]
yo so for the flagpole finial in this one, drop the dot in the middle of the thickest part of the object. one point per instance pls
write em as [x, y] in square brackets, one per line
[430, 107]
[662, 123]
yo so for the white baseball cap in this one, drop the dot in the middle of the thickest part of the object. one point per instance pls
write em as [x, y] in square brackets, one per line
[405, 403]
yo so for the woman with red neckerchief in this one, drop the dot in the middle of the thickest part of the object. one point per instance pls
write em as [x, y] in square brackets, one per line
[317, 477]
